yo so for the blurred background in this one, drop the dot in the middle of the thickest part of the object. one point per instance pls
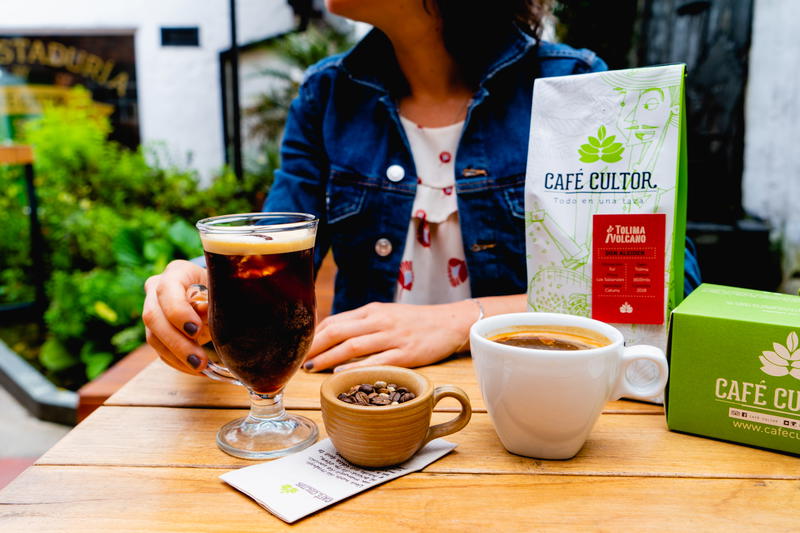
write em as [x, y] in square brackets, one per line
[146, 116]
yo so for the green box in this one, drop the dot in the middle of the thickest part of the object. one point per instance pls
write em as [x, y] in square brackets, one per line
[735, 367]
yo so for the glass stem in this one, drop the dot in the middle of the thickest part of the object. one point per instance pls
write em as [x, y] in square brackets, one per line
[266, 406]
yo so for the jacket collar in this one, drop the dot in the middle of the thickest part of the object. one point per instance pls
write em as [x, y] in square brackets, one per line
[372, 61]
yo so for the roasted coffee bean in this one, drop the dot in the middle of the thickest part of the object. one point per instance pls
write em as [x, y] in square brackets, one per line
[361, 398]
[380, 400]
[345, 398]
[376, 394]
[407, 396]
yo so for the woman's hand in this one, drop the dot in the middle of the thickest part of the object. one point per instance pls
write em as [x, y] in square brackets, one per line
[174, 327]
[392, 334]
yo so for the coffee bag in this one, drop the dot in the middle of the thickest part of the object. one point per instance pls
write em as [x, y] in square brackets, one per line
[605, 198]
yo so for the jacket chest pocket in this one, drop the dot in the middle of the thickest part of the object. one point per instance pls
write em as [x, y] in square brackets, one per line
[514, 196]
[345, 196]
[509, 193]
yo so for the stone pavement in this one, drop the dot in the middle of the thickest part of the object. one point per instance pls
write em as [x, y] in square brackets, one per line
[23, 438]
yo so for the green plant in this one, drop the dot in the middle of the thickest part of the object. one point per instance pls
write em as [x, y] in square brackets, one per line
[110, 219]
[296, 52]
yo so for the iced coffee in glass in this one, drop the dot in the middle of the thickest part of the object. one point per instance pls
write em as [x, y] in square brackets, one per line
[261, 315]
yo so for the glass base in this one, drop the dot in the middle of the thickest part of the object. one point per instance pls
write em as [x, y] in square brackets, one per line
[253, 438]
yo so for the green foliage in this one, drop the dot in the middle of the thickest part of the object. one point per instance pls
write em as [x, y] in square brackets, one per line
[111, 218]
[297, 52]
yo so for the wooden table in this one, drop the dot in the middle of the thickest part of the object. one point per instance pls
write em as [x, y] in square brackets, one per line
[146, 461]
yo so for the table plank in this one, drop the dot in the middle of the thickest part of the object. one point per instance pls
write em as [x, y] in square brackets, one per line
[160, 385]
[619, 445]
[88, 499]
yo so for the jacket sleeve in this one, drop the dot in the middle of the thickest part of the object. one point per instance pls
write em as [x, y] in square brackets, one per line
[300, 184]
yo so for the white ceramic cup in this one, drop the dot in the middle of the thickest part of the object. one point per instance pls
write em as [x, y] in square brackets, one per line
[543, 403]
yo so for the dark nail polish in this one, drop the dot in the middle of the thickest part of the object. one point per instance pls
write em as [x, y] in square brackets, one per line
[309, 365]
[193, 360]
[190, 328]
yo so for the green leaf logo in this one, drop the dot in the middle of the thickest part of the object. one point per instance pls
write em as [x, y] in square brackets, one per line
[782, 360]
[288, 489]
[600, 148]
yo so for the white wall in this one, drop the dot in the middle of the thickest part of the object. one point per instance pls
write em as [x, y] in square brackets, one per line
[771, 183]
[179, 96]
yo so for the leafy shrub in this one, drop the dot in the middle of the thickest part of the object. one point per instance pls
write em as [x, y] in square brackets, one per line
[110, 220]
[112, 217]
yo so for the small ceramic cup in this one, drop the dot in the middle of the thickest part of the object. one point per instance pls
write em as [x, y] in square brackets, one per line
[544, 403]
[383, 436]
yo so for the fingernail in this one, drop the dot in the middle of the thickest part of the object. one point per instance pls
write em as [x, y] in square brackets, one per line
[190, 328]
[193, 360]
[309, 365]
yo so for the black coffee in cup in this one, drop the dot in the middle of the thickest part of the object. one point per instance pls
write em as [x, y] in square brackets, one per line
[551, 338]
[261, 305]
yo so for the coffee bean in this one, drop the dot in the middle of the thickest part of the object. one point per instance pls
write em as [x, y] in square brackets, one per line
[407, 396]
[380, 400]
[376, 394]
[361, 398]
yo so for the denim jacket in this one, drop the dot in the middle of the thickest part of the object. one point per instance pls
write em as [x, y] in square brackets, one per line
[343, 135]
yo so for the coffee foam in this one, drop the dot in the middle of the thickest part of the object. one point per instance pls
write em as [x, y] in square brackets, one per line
[280, 242]
[577, 335]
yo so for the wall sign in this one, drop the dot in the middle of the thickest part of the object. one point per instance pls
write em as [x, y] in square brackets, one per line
[37, 69]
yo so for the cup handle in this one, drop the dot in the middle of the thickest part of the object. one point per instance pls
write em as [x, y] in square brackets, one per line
[446, 428]
[220, 373]
[650, 390]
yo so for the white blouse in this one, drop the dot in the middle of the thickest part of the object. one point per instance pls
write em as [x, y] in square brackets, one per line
[433, 270]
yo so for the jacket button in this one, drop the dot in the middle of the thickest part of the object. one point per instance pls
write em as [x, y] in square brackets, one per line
[395, 173]
[383, 247]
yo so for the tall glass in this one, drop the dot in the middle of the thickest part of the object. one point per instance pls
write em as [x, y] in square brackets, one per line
[261, 315]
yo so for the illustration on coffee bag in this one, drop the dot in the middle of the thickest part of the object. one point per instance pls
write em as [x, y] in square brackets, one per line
[605, 198]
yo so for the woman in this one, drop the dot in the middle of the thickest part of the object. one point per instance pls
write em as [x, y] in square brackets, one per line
[411, 149]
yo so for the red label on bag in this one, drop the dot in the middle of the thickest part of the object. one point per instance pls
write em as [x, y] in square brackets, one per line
[628, 268]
